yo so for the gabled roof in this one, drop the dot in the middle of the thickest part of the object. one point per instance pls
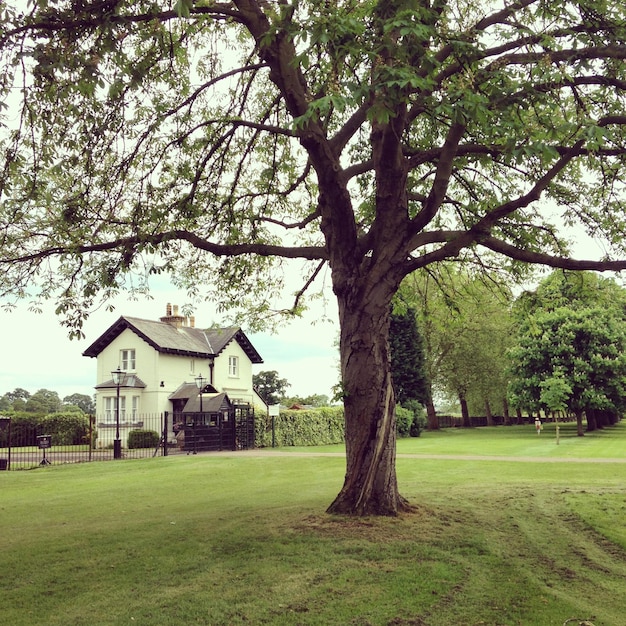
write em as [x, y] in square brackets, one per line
[189, 390]
[212, 403]
[169, 339]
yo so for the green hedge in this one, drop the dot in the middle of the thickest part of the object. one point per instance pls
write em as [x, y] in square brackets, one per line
[306, 427]
[323, 426]
[66, 428]
[143, 439]
[69, 428]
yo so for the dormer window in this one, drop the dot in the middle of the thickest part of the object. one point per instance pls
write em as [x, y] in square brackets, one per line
[127, 360]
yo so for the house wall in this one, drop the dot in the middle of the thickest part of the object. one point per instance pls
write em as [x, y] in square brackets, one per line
[110, 359]
[238, 388]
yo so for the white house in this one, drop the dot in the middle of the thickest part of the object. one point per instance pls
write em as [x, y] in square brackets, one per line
[162, 360]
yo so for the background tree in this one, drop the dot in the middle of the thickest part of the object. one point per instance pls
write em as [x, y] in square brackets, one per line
[217, 139]
[84, 402]
[269, 386]
[585, 348]
[467, 326]
[567, 289]
[489, 331]
[408, 368]
[14, 400]
[577, 292]
[43, 401]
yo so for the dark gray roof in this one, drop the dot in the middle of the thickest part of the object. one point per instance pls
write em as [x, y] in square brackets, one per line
[184, 340]
[128, 380]
[188, 390]
[212, 403]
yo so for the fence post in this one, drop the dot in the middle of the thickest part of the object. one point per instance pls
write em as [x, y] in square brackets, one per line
[92, 419]
[5, 425]
[165, 452]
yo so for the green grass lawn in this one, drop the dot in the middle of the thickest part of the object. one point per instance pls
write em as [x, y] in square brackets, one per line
[242, 539]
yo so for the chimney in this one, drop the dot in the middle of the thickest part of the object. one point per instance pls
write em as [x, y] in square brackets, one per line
[172, 317]
[192, 321]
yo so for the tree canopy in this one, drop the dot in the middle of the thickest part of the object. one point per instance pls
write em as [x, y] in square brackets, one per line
[270, 386]
[215, 140]
[571, 359]
[569, 352]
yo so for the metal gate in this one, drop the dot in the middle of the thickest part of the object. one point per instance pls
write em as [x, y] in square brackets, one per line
[244, 426]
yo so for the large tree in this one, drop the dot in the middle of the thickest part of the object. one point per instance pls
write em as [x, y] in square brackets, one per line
[214, 140]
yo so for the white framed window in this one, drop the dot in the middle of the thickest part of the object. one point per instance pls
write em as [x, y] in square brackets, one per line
[134, 408]
[127, 360]
[110, 408]
[233, 366]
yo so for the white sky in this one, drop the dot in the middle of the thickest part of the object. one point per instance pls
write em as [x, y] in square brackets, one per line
[37, 353]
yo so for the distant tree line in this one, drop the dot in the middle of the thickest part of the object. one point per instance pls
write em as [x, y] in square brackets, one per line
[44, 402]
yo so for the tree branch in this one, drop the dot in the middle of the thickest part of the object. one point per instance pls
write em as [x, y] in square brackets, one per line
[139, 241]
[566, 263]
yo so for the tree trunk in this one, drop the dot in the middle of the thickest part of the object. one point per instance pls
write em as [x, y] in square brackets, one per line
[366, 273]
[579, 423]
[431, 415]
[466, 422]
[591, 420]
[370, 486]
[505, 411]
[488, 413]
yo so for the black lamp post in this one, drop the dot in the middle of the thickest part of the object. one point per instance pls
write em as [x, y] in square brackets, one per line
[118, 377]
[200, 385]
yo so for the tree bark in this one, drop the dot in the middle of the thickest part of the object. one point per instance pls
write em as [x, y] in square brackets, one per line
[370, 486]
[467, 423]
[579, 424]
[431, 414]
[591, 420]
[488, 413]
[505, 412]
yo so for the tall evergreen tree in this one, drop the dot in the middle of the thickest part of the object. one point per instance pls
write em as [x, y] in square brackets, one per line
[408, 362]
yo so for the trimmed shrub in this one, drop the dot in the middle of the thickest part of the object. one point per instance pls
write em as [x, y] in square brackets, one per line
[68, 428]
[24, 428]
[418, 421]
[404, 420]
[306, 427]
[143, 439]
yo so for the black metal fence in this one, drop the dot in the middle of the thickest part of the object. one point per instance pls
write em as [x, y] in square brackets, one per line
[450, 421]
[25, 444]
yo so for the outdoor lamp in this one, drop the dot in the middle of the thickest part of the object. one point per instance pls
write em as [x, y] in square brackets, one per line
[118, 378]
[200, 381]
